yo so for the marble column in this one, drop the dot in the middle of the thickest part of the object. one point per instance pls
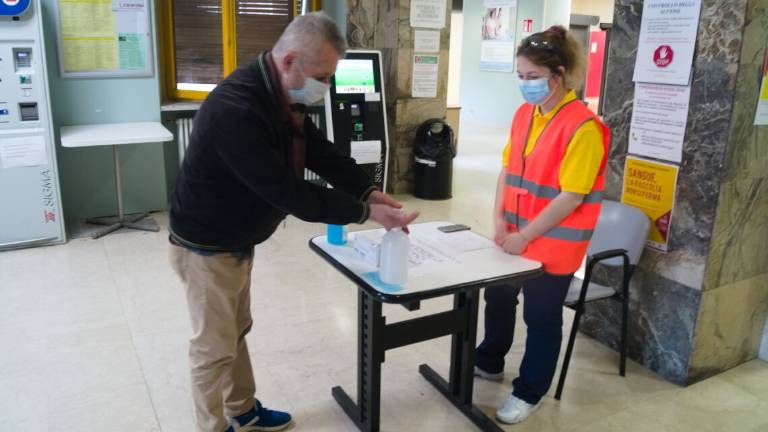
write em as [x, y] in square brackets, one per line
[384, 25]
[699, 309]
[734, 300]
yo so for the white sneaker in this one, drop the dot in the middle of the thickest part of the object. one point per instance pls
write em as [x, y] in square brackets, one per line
[489, 376]
[515, 410]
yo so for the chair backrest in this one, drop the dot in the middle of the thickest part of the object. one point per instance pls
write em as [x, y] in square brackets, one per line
[620, 226]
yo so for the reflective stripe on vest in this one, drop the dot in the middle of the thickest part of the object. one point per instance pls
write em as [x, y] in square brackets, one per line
[556, 233]
[532, 182]
[548, 192]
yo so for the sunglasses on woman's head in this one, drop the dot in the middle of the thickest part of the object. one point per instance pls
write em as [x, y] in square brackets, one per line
[540, 43]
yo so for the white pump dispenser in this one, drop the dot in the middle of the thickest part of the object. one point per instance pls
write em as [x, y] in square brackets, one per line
[394, 257]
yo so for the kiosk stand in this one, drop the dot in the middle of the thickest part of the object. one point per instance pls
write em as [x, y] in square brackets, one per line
[356, 113]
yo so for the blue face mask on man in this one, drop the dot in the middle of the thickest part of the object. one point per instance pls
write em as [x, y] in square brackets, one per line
[535, 91]
[312, 92]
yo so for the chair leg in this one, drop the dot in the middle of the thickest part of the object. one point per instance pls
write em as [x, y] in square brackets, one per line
[624, 325]
[568, 352]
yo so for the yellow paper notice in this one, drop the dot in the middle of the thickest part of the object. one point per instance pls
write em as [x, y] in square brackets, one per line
[650, 186]
[89, 54]
[89, 35]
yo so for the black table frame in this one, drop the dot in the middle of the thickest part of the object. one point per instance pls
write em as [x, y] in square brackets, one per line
[375, 337]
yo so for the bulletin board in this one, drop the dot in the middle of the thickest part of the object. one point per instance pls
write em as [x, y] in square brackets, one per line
[104, 38]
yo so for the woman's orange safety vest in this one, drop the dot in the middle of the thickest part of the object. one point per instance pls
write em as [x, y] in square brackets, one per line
[533, 181]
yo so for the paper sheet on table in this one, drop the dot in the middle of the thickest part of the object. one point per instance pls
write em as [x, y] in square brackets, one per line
[366, 152]
[424, 258]
[23, 151]
[455, 243]
[429, 253]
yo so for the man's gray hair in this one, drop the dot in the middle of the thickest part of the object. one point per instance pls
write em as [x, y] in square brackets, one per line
[306, 34]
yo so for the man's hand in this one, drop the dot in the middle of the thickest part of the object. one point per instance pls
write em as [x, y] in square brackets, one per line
[377, 197]
[390, 217]
[514, 244]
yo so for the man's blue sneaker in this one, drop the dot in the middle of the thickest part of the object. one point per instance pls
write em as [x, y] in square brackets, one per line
[259, 419]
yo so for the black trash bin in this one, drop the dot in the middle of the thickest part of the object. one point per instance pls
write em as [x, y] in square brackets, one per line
[433, 151]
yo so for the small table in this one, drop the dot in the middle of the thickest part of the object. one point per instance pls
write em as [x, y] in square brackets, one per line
[456, 264]
[115, 134]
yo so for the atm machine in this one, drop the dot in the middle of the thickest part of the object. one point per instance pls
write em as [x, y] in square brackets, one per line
[30, 199]
[356, 115]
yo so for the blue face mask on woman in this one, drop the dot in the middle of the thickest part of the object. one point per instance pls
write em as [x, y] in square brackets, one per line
[535, 91]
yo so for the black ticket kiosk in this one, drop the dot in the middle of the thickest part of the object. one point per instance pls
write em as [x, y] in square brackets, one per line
[355, 113]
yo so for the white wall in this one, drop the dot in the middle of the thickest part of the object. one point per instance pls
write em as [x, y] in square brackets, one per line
[454, 61]
[557, 12]
[490, 97]
[601, 8]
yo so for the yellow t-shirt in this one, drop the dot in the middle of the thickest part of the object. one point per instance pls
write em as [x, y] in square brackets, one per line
[583, 157]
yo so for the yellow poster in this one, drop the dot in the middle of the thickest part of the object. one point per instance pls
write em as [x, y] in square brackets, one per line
[761, 117]
[650, 186]
[88, 34]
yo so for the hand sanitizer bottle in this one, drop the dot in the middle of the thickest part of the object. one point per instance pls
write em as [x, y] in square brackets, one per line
[394, 257]
[337, 234]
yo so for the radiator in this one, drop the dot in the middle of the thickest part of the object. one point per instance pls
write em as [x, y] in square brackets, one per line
[184, 131]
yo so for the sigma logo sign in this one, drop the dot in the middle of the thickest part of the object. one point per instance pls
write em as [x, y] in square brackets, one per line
[663, 56]
[13, 7]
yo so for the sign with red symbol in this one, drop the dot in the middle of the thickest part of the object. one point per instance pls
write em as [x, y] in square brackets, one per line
[49, 216]
[667, 41]
[663, 56]
[527, 25]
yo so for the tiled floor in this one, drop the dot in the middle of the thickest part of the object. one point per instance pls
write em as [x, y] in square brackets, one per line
[93, 336]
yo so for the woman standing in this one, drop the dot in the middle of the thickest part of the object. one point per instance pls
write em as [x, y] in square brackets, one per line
[547, 204]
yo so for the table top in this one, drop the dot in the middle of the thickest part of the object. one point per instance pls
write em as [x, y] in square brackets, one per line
[114, 134]
[439, 263]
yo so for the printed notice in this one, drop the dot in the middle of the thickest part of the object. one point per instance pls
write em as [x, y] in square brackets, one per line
[425, 76]
[658, 121]
[88, 32]
[427, 41]
[128, 5]
[497, 46]
[650, 186]
[428, 13]
[131, 48]
[667, 41]
[366, 152]
[23, 151]
[89, 54]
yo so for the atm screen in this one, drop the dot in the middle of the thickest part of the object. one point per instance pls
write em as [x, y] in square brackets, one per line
[355, 76]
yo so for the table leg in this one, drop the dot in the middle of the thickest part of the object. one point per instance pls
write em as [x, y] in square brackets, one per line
[118, 183]
[366, 412]
[120, 221]
[459, 388]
